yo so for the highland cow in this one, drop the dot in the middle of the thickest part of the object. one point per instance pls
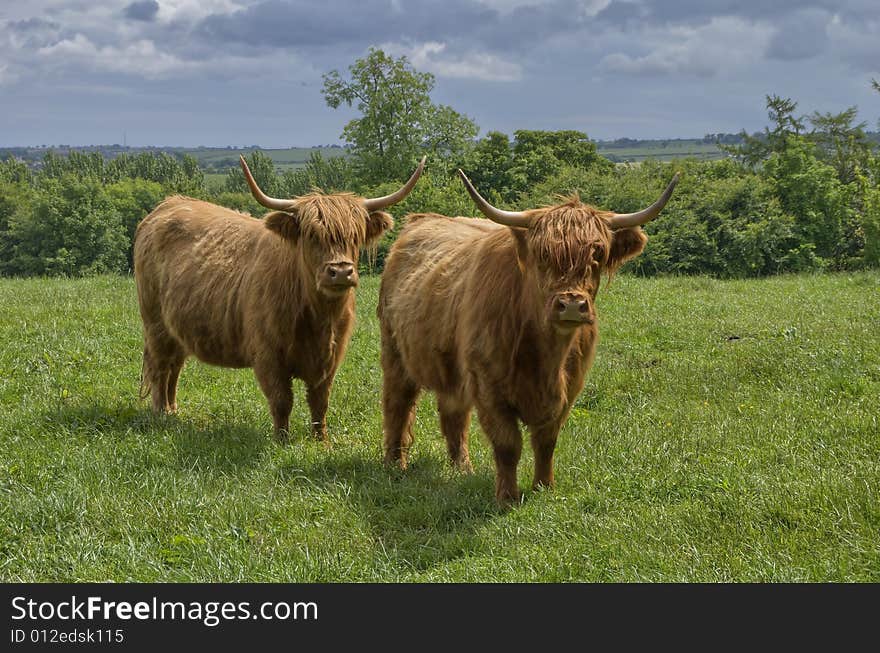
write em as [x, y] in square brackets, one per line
[500, 315]
[274, 294]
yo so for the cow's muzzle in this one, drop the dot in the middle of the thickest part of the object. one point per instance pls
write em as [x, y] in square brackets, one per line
[571, 309]
[339, 276]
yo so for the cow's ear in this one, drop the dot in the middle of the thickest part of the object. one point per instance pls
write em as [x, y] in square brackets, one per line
[626, 244]
[378, 222]
[284, 224]
[520, 239]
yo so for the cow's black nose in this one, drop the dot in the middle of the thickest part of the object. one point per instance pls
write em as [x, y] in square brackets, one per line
[340, 271]
[572, 308]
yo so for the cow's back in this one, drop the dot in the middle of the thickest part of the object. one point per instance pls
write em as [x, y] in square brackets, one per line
[424, 281]
[191, 263]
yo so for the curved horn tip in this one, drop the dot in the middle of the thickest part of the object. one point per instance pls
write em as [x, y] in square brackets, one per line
[507, 218]
[625, 220]
[244, 165]
[258, 194]
[379, 203]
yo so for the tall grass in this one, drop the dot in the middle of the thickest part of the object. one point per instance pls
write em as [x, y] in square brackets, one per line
[729, 431]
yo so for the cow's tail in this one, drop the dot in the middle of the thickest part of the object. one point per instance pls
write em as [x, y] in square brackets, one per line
[144, 391]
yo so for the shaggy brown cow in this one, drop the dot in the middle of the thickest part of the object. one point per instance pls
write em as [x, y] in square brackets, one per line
[272, 294]
[501, 317]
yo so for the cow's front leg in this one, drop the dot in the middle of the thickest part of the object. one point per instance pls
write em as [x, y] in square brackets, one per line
[318, 397]
[502, 430]
[275, 384]
[543, 445]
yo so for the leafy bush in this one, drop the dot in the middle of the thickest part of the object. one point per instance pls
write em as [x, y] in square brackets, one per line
[786, 212]
[435, 193]
[133, 200]
[70, 228]
[810, 191]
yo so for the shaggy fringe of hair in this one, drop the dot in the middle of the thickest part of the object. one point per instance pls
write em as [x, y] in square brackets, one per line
[332, 219]
[570, 235]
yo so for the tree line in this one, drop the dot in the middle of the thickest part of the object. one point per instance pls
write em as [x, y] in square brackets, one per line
[802, 195]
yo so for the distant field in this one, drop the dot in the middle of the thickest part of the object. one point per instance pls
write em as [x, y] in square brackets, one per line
[662, 151]
[294, 157]
[216, 160]
[728, 432]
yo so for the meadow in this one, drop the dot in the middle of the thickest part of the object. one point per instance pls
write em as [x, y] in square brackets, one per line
[729, 431]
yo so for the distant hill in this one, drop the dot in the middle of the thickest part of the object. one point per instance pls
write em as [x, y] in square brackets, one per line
[628, 149]
[217, 160]
[211, 159]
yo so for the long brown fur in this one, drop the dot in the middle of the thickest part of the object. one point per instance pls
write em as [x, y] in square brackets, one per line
[237, 291]
[465, 309]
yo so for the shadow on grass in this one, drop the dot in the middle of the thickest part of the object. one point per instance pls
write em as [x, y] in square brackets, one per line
[423, 517]
[420, 518]
[222, 446]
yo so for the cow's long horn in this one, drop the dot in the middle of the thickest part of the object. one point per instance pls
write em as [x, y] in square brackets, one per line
[507, 218]
[379, 203]
[260, 196]
[624, 220]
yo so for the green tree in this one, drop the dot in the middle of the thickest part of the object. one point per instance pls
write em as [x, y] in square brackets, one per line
[71, 228]
[756, 148]
[450, 135]
[568, 147]
[262, 167]
[327, 174]
[488, 166]
[841, 143]
[132, 200]
[809, 190]
[514, 170]
[15, 202]
[398, 121]
[15, 171]
[870, 217]
[539, 155]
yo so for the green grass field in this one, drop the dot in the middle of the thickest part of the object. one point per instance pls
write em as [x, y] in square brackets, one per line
[729, 431]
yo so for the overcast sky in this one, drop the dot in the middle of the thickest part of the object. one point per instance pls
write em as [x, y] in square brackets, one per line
[241, 72]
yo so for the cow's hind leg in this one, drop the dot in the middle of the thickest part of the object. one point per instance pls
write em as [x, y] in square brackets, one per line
[454, 422]
[163, 358]
[171, 387]
[399, 395]
[275, 384]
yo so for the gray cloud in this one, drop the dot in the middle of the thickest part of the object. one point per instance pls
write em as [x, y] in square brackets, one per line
[624, 14]
[145, 10]
[32, 25]
[635, 68]
[329, 23]
[654, 12]
[800, 36]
